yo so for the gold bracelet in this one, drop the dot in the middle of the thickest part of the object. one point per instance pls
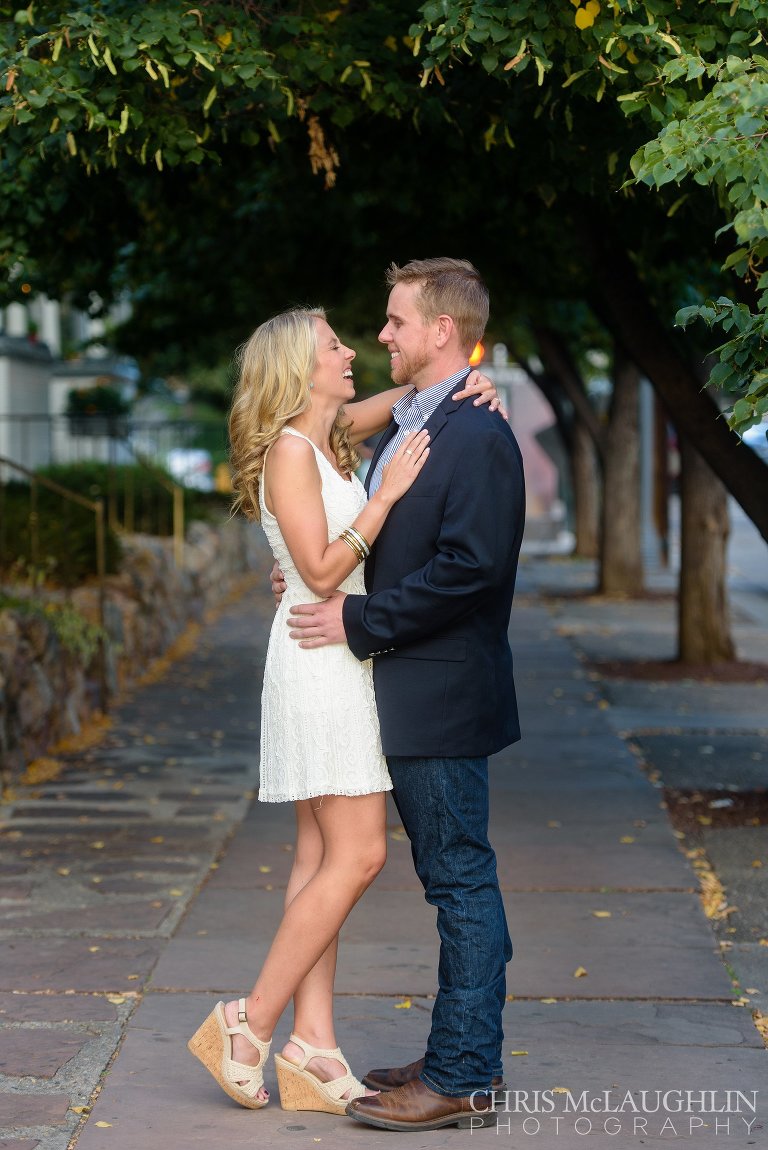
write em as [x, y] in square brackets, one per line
[353, 540]
[361, 540]
[353, 546]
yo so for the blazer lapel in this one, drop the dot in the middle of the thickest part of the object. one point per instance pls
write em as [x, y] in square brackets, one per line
[434, 426]
[439, 417]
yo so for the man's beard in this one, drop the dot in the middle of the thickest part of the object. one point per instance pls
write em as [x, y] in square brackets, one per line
[405, 370]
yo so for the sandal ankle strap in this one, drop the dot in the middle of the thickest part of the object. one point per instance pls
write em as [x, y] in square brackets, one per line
[244, 1029]
[311, 1051]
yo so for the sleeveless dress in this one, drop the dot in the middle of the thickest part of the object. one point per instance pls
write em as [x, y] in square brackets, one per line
[319, 726]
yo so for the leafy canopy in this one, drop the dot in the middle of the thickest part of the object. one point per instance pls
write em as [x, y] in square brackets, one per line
[695, 76]
[124, 91]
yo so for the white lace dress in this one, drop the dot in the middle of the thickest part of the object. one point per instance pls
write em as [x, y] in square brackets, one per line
[319, 727]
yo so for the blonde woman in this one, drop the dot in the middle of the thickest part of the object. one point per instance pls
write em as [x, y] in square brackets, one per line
[293, 429]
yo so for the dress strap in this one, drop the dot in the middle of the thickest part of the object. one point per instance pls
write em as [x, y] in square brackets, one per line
[300, 434]
[318, 453]
[288, 431]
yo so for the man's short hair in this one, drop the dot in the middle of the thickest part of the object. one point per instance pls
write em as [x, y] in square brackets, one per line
[448, 287]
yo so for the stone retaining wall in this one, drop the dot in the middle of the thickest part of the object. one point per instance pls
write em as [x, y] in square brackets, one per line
[47, 692]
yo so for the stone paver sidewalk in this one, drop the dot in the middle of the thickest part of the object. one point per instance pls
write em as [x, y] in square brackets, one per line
[175, 882]
[97, 869]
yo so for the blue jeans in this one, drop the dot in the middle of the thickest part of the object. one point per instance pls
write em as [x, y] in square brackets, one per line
[443, 805]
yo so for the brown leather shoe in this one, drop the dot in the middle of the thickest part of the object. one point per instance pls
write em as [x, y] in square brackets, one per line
[415, 1107]
[396, 1076]
[399, 1075]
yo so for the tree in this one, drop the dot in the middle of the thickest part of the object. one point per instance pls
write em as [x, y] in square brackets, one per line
[504, 131]
[622, 52]
[721, 143]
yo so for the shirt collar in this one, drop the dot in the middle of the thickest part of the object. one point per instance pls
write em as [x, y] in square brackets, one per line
[428, 400]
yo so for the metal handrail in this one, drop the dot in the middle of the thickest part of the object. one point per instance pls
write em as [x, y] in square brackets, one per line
[97, 507]
[51, 442]
[177, 493]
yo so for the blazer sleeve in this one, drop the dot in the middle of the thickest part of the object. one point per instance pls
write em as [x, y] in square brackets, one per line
[476, 552]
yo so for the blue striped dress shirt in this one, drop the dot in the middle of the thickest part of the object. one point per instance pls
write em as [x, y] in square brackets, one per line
[410, 414]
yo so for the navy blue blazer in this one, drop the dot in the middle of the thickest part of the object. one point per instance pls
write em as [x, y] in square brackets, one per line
[440, 578]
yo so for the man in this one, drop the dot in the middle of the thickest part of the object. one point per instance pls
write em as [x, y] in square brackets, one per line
[440, 579]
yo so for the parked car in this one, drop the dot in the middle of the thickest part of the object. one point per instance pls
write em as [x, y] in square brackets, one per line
[192, 467]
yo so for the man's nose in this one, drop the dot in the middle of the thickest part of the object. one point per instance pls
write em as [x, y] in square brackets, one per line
[384, 334]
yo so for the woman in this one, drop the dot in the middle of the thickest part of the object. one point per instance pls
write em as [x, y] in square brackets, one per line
[293, 454]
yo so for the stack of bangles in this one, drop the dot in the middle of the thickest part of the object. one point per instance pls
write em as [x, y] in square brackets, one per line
[357, 543]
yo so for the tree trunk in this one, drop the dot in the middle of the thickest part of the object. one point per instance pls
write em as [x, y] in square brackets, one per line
[621, 553]
[559, 363]
[585, 441]
[586, 492]
[704, 634]
[661, 479]
[626, 309]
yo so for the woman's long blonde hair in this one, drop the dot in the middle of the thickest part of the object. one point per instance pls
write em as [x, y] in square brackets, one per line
[274, 374]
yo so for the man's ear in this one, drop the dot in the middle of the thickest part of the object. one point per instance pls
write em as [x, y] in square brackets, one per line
[445, 327]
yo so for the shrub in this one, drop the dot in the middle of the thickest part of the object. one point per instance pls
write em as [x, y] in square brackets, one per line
[66, 536]
[99, 400]
[134, 496]
[75, 633]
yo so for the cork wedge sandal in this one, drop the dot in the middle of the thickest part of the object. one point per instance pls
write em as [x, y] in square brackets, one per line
[212, 1044]
[300, 1089]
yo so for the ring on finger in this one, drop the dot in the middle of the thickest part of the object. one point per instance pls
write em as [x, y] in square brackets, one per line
[408, 451]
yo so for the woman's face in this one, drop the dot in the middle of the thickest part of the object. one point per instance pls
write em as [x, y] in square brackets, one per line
[332, 376]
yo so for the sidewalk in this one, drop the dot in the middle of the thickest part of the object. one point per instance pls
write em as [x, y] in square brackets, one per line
[146, 884]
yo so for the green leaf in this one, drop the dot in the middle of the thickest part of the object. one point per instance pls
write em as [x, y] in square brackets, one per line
[719, 374]
[742, 411]
[574, 76]
[686, 315]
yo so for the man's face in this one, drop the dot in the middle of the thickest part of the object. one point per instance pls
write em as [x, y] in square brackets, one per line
[406, 335]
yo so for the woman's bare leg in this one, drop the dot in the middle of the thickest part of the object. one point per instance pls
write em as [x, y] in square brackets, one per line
[303, 953]
[313, 998]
